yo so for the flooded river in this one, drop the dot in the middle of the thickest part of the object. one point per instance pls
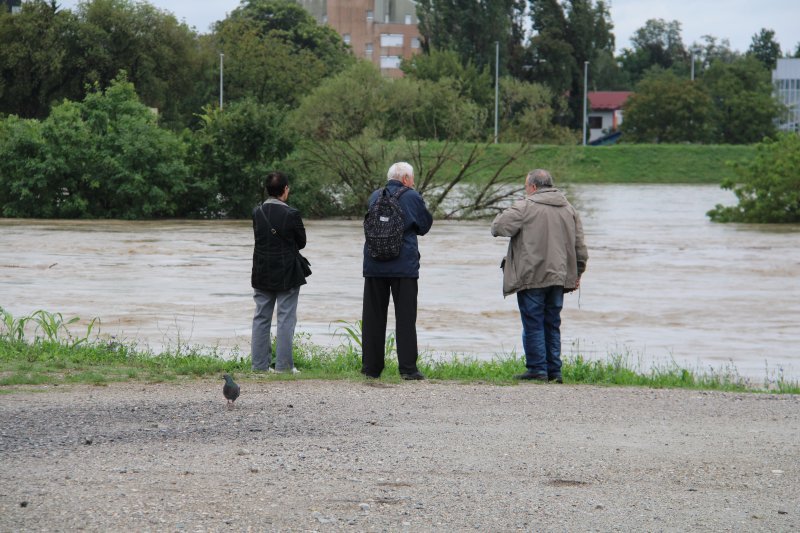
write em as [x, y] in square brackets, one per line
[663, 283]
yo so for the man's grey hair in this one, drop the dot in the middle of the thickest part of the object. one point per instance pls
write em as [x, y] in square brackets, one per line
[398, 170]
[539, 178]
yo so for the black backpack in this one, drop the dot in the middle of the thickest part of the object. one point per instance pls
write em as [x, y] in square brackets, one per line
[383, 226]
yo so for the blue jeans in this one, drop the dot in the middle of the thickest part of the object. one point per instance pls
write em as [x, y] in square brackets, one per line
[540, 310]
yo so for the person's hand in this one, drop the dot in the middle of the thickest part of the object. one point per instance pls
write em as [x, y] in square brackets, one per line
[578, 283]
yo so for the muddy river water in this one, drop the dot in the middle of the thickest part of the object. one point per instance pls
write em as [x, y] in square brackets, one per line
[663, 283]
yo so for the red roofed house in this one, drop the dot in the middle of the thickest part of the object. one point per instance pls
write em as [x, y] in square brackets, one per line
[605, 112]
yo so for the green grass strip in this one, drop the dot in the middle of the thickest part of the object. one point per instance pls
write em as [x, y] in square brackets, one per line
[47, 362]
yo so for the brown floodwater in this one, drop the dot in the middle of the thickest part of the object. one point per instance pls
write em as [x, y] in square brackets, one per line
[663, 283]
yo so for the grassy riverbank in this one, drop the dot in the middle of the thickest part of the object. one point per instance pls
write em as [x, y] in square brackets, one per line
[44, 362]
[621, 163]
[55, 354]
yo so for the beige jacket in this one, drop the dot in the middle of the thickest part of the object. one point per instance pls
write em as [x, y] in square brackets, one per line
[546, 247]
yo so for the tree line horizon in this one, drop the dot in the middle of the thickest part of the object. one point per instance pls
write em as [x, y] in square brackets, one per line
[296, 97]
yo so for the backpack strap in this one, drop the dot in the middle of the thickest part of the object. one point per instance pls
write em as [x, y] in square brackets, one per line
[400, 191]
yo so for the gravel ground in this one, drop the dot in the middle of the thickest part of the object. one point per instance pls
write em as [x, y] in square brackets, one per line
[422, 456]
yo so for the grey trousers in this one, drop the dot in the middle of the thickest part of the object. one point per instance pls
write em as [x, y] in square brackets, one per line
[261, 343]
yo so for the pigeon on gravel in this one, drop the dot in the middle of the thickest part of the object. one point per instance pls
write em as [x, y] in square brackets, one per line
[230, 390]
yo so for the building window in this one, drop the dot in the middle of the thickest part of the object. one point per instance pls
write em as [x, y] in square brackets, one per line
[415, 42]
[390, 61]
[408, 20]
[370, 16]
[346, 38]
[596, 123]
[368, 50]
[391, 39]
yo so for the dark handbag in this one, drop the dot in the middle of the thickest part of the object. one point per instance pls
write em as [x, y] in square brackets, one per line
[305, 264]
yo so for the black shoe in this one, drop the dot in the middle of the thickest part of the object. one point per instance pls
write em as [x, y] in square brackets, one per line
[370, 376]
[555, 378]
[414, 376]
[530, 376]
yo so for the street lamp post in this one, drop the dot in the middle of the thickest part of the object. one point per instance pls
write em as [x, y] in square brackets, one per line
[496, 85]
[221, 57]
[585, 83]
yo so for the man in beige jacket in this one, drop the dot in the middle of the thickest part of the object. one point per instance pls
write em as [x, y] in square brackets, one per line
[545, 259]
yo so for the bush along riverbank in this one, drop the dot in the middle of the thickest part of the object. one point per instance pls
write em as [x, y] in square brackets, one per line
[54, 355]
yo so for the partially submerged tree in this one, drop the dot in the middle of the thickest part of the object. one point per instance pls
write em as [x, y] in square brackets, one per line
[768, 188]
[105, 157]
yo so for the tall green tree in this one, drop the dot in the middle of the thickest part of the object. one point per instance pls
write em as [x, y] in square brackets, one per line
[159, 54]
[527, 115]
[744, 106]
[232, 151]
[471, 28]
[263, 67]
[667, 109]
[566, 37]
[286, 21]
[589, 30]
[275, 52]
[553, 60]
[360, 100]
[471, 81]
[37, 54]
[657, 43]
[710, 50]
[765, 48]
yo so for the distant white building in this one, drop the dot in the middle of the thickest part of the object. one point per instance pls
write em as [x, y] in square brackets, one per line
[786, 80]
[605, 112]
[13, 6]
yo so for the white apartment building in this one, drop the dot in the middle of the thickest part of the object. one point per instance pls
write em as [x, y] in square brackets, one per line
[786, 81]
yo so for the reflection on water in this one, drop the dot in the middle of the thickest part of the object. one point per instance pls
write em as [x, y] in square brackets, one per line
[663, 282]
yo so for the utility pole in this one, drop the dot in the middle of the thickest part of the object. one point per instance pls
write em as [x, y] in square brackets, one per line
[496, 85]
[221, 57]
[585, 84]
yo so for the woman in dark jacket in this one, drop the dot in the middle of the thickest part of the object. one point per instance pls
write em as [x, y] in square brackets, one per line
[277, 274]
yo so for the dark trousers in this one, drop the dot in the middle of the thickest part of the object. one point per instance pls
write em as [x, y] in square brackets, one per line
[373, 327]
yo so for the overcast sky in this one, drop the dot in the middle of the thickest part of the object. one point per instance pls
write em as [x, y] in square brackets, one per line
[735, 20]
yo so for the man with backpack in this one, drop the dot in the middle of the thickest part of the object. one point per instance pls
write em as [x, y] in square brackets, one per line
[396, 216]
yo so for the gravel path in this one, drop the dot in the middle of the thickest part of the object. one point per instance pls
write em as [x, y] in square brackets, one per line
[328, 455]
